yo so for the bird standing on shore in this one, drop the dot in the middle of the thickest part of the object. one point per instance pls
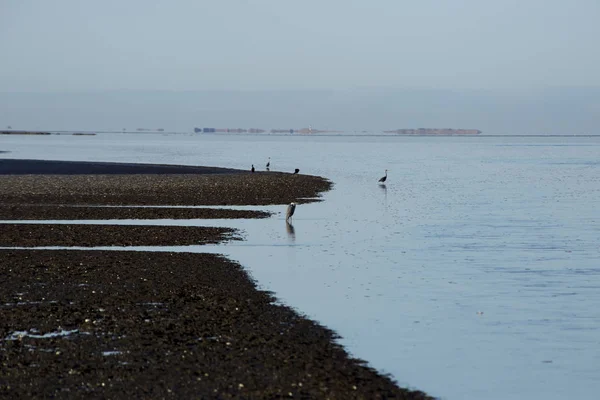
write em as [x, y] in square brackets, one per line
[252, 169]
[296, 171]
[383, 178]
[290, 211]
[269, 164]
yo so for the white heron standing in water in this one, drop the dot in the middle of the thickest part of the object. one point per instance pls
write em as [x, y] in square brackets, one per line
[290, 211]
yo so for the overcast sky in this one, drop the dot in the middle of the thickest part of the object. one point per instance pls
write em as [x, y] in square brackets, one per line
[75, 45]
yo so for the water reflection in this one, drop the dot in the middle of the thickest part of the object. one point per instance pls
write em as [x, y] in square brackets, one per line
[384, 190]
[290, 231]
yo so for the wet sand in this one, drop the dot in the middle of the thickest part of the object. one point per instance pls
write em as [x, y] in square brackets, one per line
[117, 324]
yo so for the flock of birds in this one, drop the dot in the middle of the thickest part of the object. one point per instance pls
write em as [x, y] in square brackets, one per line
[292, 206]
[268, 167]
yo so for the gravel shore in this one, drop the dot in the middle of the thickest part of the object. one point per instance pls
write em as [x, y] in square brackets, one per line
[123, 324]
[146, 185]
[66, 212]
[32, 235]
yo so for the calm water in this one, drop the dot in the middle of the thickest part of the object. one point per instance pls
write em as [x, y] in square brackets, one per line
[472, 274]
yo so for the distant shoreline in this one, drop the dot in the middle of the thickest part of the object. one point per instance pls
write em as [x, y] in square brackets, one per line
[24, 133]
[420, 131]
[50, 167]
[328, 133]
[435, 131]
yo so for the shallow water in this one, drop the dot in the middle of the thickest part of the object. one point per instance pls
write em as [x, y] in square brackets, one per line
[472, 274]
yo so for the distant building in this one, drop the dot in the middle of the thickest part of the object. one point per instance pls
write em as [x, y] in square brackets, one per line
[435, 131]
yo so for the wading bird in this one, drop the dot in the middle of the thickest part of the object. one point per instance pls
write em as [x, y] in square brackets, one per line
[290, 211]
[383, 178]
[252, 170]
[296, 171]
[269, 164]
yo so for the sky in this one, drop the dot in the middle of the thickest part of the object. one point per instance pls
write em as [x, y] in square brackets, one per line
[510, 66]
[509, 45]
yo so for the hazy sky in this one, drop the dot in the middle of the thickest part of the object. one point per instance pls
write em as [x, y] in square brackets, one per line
[76, 45]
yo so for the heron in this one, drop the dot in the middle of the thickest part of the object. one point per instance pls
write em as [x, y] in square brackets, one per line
[290, 211]
[269, 163]
[383, 178]
[252, 170]
[296, 170]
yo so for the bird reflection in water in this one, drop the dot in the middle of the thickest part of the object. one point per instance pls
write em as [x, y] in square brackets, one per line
[384, 189]
[290, 231]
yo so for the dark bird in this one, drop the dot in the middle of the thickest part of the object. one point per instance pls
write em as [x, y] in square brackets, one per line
[296, 171]
[290, 211]
[383, 178]
[269, 164]
[252, 170]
